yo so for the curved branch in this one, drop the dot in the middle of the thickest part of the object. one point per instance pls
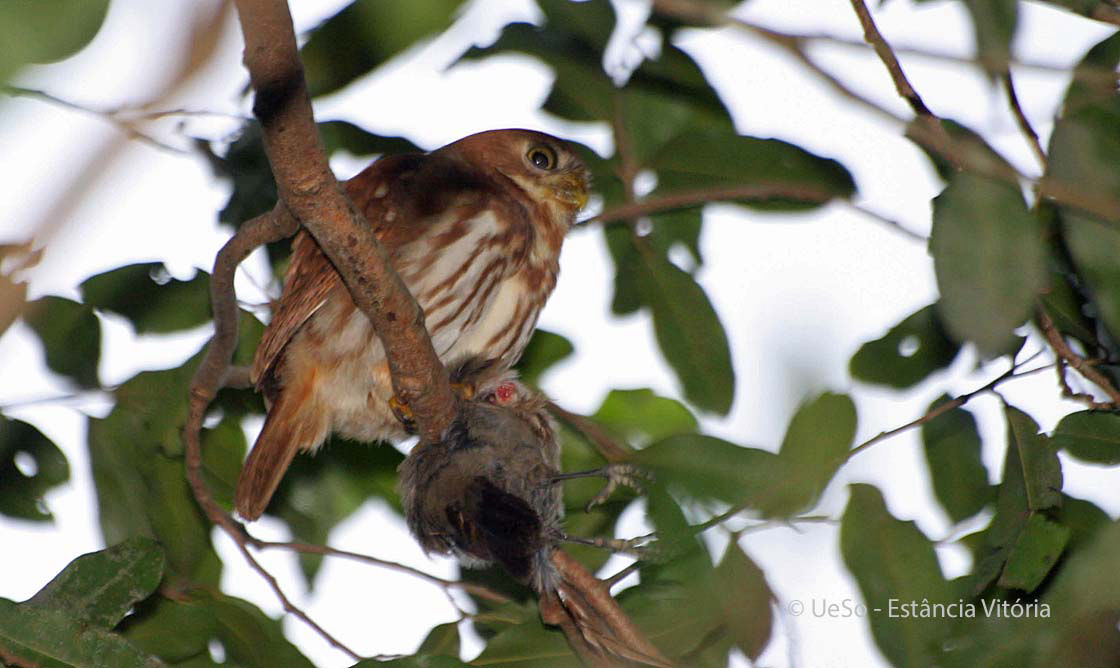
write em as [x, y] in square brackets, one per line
[308, 188]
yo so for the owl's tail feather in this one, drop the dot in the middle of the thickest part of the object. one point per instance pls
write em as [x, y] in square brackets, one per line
[292, 425]
[597, 628]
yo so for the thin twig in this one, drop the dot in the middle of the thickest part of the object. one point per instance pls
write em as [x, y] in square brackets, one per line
[943, 408]
[308, 548]
[1066, 355]
[701, 196]
[1021, 118]
[963, 153]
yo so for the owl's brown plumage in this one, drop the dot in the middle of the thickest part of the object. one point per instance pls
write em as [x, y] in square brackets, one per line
[474, 229]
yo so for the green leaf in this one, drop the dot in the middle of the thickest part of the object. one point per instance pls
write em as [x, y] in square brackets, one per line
[720, 158]
[1083, 518]
[1085, 598]
[71, 337]
[23, 489]
[639, 416]
[1091, 436]
[250, 637]
[706, 467]
[545, 349]
[1037, 549]
[528, 645]
[150, 298]
[35, 636]
[45, 31]
[137, 460]
[995, 22]
[1032, 482]
[1084, 155]
[99, 588]
[1040, 469]
[690, 335]
[816, 443]
[892, 559]
[907, 354]
[442, 640]
[365, 34]
[745, 599]
[988, 254]
[953, 451]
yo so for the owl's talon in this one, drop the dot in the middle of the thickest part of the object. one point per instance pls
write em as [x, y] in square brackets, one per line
[403, 413]
[626, 475]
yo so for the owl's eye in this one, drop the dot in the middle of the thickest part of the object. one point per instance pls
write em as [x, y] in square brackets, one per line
[542, 157]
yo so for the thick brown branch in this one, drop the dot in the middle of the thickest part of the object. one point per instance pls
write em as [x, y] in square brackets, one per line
[308, 188]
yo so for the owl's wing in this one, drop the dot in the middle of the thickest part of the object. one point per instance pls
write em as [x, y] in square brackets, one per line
[311, 278]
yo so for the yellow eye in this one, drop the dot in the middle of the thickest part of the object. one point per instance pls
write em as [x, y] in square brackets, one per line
[542, 157]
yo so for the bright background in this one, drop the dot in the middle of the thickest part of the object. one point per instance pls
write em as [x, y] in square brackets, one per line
[798, 293]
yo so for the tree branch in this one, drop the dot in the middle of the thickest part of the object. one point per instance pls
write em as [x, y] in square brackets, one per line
[308, 188]
[1065, 356]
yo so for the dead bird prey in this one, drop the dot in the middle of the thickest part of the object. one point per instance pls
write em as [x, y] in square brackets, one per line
[488, 493]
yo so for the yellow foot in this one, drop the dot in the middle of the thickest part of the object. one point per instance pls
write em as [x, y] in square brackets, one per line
[403, 413]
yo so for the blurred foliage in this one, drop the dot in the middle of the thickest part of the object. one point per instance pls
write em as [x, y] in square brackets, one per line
[41, 31]
[1000, 253]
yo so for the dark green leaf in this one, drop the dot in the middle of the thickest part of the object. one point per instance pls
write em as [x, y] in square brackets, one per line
[815, 445]
[545, 349]
[1084, 161]
[745, 598]
[250, 638]
[34, 636]
[150, 298]
[892, 559]
[442, 640]
[1032, 481]
[40, 32]
[706, 467]
[953, 452]
[690, 335]
[1066, 305]
[994, 22]
[99, 588]
[1084, 519]
[71, 337]
[1092, 436]
[1085, 598]
[640, 416]
[720, 158]
[1035, 552]
[988, 255]
[175, 631]
[528, 645]
[1038, 459]
[137, 460]
[365, 34]
[907, 354]
[30, 464]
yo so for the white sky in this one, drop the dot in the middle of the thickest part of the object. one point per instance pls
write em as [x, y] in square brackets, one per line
[797, 293]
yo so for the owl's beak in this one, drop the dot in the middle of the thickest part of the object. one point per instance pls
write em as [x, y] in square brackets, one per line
[572, 189]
